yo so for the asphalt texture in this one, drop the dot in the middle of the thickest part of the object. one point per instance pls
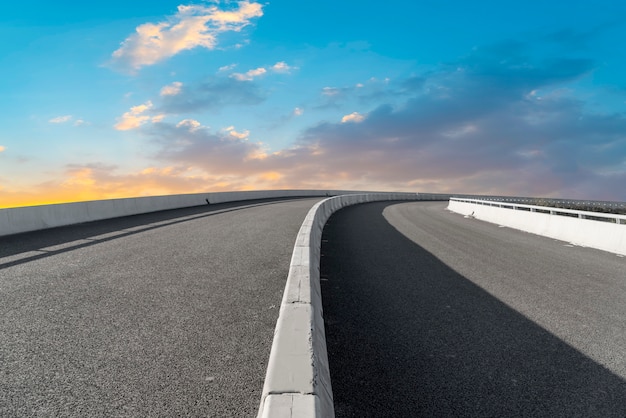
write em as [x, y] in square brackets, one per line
[430, 314]
[158, 315]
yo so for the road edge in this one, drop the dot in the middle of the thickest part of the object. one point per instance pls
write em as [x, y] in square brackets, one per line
[297, 382]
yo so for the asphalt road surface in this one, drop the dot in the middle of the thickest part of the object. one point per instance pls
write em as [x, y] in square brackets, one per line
[432, 314]
[157, 315]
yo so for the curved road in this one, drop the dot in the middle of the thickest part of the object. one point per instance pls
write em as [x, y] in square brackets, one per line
[432, 314]
[164, 314]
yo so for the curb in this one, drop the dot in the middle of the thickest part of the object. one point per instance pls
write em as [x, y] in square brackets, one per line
[297, 382]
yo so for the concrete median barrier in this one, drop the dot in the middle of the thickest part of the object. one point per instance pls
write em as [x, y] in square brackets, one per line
[297, 382]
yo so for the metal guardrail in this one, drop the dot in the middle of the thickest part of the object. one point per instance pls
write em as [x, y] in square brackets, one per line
[596, 215]
[618, 208]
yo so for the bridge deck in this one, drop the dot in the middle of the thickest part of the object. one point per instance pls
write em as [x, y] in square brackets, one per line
[431, 314]
[164, 314]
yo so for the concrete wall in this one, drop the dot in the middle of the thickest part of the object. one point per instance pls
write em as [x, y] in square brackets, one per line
[32, 218]
[297, 383]
[607, 236]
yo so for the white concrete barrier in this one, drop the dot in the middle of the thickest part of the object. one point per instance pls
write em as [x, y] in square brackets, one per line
[32, 218]
[590, 229]
[297, 382]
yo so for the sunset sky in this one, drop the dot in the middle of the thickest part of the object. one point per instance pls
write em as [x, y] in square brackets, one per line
[135, 98]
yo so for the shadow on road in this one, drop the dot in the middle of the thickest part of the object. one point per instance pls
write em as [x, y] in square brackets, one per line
[39, 244]
[408, 336]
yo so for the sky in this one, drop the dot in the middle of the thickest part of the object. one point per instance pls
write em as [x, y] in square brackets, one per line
[116, 99]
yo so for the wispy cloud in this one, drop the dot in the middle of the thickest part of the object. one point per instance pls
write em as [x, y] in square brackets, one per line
[192, 26]
[226, 68]
[280, 67]
[331, 91]
[213, 94]
[61, 119]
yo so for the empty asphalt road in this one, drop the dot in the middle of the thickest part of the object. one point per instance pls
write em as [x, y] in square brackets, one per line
[158, 315]
[432, 314]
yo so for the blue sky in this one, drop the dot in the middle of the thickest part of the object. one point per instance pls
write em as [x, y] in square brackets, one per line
[140, 98]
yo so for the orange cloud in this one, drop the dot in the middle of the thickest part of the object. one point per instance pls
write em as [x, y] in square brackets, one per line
[192, 26]
[172, 89]
[136, 117]
[239, 135]
[271, 176]
[355, 117]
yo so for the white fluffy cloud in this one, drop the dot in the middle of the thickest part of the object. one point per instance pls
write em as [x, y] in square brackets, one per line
[137, 116]
[354, 117]
[249, 75]
[191, 27]
[282, 67]
[190, 124]
[172, 89]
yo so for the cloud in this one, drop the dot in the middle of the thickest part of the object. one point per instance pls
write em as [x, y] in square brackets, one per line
[331, 91]
[354, 117]
[190, 124]
[226, 68]
[373, 91]
[191, 144]
[137, 116]
[172, 89]
[61, 119]
[191, 27]
[2, 148]
[213, 94]
[494, 122]
[239, 135]
[249, 75]
[472, 126]
[282, 67]
[68, 118]
[298, 111]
